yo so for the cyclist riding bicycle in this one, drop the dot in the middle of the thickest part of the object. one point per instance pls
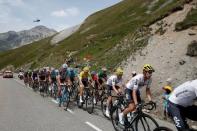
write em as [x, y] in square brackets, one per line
[42, 80]
[102, 76]
[95, 79]
[84, 80]
[35, 77]
[53, 75]
[63, 79]
[73, 74]
[113, 83]
[29, 78]
[26, 78]
[53, 81]
[133, 90]
[181, 104]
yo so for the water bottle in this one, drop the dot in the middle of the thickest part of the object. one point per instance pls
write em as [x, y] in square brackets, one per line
[115, 103]
[129, 117]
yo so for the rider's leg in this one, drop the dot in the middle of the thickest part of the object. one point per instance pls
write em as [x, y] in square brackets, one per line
[190, 112]
[130, 108]
[109, 101]
[81, 92]
[177, 114]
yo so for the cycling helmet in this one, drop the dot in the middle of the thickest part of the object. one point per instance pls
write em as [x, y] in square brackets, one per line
[86, 69]
[148, 68]
[93, 73]
[65, 66]
[104, 69]
[168, 88]
[119, 71]
[134, 73]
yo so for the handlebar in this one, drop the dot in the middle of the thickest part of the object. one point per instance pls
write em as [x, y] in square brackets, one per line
[148, 106]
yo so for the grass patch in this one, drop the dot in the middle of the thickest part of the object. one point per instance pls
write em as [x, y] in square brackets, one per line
[189, 21]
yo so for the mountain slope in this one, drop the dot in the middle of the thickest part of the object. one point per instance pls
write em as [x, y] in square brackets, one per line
[103, 35]
[64, 34]
[12, 39]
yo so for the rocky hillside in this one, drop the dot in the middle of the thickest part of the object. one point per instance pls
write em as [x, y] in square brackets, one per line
[64, 34]
[172, 53]
[12, 39]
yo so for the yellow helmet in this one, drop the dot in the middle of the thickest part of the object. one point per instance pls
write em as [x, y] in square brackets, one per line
[148, 67]
[168, 88]
[86, 69]
[119, 71]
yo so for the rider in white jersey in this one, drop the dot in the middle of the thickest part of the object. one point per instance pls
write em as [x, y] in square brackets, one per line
[133, 90]
[181, 105]
[138, 82]
[113, 83]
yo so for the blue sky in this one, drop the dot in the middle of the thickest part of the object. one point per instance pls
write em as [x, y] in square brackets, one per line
[57, 14]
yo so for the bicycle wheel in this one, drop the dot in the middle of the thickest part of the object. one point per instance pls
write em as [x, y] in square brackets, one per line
[65, 97]
[89, 102]
[104, 105]
[74, 93]
[145, 123]
[162, 129]
[115, 119]
[67, 100]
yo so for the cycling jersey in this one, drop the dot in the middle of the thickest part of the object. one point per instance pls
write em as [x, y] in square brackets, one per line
[102, 75]
[113, 80]
[26, 74]
[184, 94]
[35, 75]
[72, 72]
[53, 75]
[84, 75]
[29, 74]
[94, 77]
[137, 82]
[42, 75]
[64, 74]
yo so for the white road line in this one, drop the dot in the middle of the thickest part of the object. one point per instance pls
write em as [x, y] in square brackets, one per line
[19, 82]
[22, 83]
[69, 110]
[54, 101]
[93, 126]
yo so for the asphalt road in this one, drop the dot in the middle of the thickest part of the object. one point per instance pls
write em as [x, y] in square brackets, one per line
[21, 109]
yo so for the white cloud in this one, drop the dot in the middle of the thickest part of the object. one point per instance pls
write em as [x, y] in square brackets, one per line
[12, 2]
[65, 13]
[59, 13]
[73, 11]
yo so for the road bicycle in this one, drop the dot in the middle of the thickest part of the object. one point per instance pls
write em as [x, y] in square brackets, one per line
[135, 121]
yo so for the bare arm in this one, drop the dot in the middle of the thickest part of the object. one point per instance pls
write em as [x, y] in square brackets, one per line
[148, 94]
[135, 96]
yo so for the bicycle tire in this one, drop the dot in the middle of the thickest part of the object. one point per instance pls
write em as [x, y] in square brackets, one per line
[68, 100]
[145, 117]
[89, 101]
[162, 129]
[104, 105]
[115, 120]
[91, 108]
